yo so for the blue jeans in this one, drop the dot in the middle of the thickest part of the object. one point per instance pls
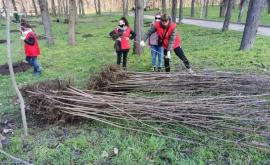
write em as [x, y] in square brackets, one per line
[34, 63]
[156, 51]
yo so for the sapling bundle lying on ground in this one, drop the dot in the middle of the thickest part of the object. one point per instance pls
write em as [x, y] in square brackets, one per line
[205, 83]
[244, 117]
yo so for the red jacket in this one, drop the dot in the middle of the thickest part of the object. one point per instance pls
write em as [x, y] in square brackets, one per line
[161, 32]
[124, 38]
[31, 50]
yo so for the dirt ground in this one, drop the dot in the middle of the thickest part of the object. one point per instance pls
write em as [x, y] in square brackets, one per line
[18, 67]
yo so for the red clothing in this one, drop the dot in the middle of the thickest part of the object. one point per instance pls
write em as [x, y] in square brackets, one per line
[31, 50]
[161, 32]
[124, 38]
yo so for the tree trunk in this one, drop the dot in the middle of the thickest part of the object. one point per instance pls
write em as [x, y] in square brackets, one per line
[71, 22]
[82, 7]
[228, 16]
[253, 17]
[12, 75]
[96, 8]
[79, 7]
[24, 9]
[241, 10]
[125, 8]
[99, 7]
[181, 6]
[46, 21]
[53, 8]
[192, 8]
[60, 12]
[35, 7]
[174, 6]
[4, 6]
[14, 5]
[164, 10]
[268, 2]
[206, 9]
[139, 4]
[223, 7]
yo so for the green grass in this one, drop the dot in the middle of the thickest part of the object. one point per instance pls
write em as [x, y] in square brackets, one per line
[86, 143]
[213, 14]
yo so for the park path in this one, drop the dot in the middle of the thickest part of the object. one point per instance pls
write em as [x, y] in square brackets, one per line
[262, 30]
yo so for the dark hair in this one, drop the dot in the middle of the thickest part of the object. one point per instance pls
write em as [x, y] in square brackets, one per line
[125, 20]
[164, 17]
[25, 25]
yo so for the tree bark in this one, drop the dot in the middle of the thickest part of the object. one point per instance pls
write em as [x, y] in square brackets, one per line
[164, 10]
[4, 6]
[206, 9]
[72, 21]
[223, 7]
[268, 2]
[46, 21]
[252, 23]
[53, 8]
[35, 7]
[99, 7]
[228, 16]
[14, 5]
[192, 8]
[96, 8]
[12, 75]
[82, 7]
[139, 4]
[125, 8]
[174, 6]
[241, 10]
[181, 7]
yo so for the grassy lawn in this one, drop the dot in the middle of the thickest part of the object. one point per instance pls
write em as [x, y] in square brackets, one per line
[90, 142]
[213, 14]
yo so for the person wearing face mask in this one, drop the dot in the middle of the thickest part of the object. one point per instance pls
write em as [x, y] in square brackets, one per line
[122, 34]
[170, 40]
[156, 48]
[31, 47]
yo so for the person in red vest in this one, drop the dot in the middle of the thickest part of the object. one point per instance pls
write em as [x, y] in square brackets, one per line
[122, 34]
[31, 48]
[170, 40]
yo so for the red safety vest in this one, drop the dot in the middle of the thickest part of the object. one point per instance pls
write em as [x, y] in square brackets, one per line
[31, 50]
[161, 32]
[125, 39]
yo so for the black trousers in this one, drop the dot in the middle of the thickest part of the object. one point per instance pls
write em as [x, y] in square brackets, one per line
[121, 54]
[180, 53]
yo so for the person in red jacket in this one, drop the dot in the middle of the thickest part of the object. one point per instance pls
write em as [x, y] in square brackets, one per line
[170, 40]
[122, 34]
[31, 47]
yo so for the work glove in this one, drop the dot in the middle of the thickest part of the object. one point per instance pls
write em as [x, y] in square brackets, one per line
[23, 38]
[168, 56]
[142, 43]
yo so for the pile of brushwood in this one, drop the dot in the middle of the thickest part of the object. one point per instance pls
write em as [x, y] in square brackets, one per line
[225, 107]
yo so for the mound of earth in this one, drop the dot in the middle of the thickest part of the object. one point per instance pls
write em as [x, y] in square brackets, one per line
[18, 67]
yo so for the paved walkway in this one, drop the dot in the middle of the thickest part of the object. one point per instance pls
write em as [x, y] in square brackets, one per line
[265, 31]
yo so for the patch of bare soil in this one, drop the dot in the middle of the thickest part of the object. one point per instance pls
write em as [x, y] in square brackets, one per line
[14, 31]
[87, 35]
[18, 67]
[3, 41]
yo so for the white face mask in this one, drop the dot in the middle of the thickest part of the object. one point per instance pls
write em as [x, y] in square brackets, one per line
[24, 33]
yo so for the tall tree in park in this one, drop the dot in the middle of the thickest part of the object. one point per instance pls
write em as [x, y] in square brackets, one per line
[53, 8]
[97, 7]
[71, 22]
[228, 16]
[223, 7]
[192, 8]
[252, 23]
[174, 6]
[164, 10]
[43, 4]
[181, 7]
[241, 10]
[35, 7]
[4, 6]
[125, 8]
[14, 5]
[138, 25]
[268, 2]
[206, 9]
[81, 3]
